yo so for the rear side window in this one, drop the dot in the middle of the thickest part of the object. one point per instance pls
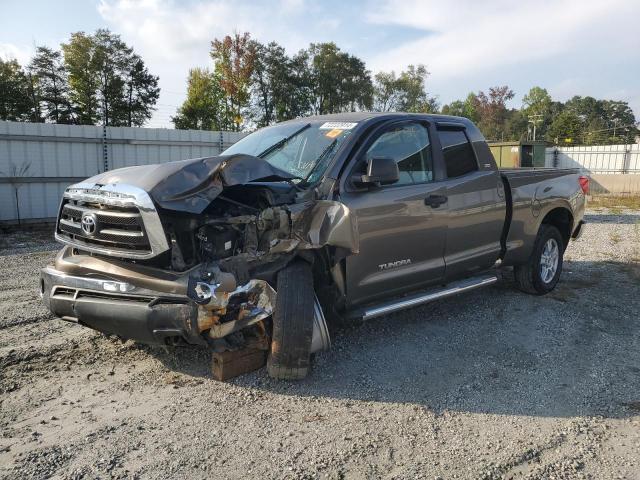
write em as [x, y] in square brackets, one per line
[459, 158]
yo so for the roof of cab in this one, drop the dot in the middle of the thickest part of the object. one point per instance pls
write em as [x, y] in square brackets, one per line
[358, 117]
[361, 116]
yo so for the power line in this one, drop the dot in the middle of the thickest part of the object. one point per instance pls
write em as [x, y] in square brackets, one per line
[631, 125]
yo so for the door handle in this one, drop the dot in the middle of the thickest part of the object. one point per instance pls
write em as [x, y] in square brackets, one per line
[434, 201]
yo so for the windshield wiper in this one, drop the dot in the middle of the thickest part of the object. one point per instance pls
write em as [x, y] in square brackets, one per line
[316, 162]
[281, 143]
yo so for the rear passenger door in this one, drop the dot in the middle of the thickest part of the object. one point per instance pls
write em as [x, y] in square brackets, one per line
[476, 207]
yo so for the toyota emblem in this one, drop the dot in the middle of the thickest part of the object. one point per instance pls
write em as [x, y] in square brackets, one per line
[89, 223]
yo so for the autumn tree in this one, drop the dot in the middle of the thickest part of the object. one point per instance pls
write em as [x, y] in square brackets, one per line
[234, 58]
[493, 112]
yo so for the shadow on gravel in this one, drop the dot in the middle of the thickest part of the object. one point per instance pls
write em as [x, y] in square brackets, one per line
[496, 351]
[193, 361]
[626, 219]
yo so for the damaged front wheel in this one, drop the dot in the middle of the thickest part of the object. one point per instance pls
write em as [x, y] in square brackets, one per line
[293, 315]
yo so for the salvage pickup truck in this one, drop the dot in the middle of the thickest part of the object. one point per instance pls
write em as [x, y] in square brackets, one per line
[347, 216]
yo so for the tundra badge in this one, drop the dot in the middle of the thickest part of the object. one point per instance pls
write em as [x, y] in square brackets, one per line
[397, 263]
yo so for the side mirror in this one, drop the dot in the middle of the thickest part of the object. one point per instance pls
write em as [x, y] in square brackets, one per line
[381, 171]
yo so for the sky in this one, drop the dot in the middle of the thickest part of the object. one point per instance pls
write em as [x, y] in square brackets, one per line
[569, 47]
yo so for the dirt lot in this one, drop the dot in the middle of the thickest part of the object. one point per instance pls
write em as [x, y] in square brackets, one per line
[495, 384]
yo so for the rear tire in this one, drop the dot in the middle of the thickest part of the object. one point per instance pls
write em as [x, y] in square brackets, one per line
[290, 355]
[542, 271]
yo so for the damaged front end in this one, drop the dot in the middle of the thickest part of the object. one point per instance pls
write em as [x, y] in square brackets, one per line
[188, 252]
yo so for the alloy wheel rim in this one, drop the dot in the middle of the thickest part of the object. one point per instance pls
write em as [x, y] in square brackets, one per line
[549, 260]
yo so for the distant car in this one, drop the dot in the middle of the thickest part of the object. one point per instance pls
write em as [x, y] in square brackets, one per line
[350, 216]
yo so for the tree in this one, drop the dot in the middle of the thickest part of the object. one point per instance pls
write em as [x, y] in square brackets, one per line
[538, 107]
[50, 73]
[406, 92]
[203, 108]
[108, 82]
[234, 59]
[492, 111]
[15, 92]
[463, 108]
[516, 126]
[414, 97]
[606, 121]
[277, 94]
[301, 85]
[339, 82]
[142, 92]
[81, 64]
[567, 128]
[111, 58]
[387, 95]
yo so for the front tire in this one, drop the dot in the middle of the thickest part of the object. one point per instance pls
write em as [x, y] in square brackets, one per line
[542, 271]
[290, 355]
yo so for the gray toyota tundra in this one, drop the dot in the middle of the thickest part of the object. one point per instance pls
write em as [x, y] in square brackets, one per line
[339, 217]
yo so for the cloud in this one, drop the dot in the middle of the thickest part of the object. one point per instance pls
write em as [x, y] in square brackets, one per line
[468, 46]
[8, 51]
[173, 37]
[478, 36]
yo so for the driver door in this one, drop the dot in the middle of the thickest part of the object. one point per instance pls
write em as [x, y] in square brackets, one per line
[402, 234]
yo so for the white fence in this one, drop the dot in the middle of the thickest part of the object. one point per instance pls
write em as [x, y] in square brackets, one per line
[597, 159]
[613, 169]
[38, 161]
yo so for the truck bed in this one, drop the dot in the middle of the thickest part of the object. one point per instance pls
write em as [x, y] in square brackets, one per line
[530, 194]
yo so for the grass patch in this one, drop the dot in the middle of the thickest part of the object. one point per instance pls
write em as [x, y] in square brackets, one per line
[615, 203]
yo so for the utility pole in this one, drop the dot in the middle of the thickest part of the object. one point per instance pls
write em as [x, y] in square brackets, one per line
[534, 119]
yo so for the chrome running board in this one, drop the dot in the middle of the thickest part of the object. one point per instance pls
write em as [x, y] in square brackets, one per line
[418, 299]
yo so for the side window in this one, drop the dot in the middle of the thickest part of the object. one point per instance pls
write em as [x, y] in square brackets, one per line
[458, 154]
[409, 146]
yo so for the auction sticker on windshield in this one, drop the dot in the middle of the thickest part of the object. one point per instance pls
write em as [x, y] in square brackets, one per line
[333, 133]
[337, 126]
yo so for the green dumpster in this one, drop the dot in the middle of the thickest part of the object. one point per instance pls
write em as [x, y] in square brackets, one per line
[523, 154]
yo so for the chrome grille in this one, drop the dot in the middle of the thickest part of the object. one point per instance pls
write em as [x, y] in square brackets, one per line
[114, 228]
[116, 223]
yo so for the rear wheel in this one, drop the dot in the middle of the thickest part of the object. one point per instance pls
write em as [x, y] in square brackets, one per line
[292, 323]
[542, 271]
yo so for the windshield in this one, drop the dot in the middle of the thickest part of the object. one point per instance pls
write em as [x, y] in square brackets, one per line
[303, 149]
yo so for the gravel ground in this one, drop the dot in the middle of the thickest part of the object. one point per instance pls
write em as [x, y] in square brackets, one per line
[493, 384]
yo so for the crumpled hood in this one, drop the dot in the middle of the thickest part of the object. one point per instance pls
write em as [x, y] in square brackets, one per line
[191, 185]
